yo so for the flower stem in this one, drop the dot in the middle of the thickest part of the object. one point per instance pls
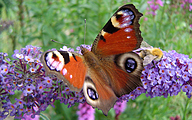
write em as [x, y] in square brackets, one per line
[185, 109]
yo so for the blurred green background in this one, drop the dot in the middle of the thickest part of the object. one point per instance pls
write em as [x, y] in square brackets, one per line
[36, 22]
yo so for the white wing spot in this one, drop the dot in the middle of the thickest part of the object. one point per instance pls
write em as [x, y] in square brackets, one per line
[125, 14]
[49, 56]
[64, 71]
[128, 37]
[59, 66]
[124, 25]
[130, 13]
[128, 30]
[130, 23]
[132, 17]
[127, 18]
[71, 76]
[54, 64]
[70, 54]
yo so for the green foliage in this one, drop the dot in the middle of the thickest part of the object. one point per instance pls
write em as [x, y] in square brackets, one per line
[36, 22]
[61, 112]
[144, 108]
[169, 29]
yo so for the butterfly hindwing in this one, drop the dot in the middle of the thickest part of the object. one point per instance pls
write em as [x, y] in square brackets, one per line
[66, 66]
[111, 78]
[98, 94]
[126, 73]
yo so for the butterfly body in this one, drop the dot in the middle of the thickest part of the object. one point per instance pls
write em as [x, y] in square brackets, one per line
[111, 69]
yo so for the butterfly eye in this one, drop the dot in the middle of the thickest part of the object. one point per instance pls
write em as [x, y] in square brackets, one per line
[92, 94]
[130, 65]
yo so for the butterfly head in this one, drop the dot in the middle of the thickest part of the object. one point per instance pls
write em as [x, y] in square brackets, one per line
[84, 50]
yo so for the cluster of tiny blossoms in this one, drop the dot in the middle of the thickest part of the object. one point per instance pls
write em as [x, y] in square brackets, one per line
[119, 108]
[24, 85]
[153, 6]
[24, 79]
[168, 76]
[86, 112]
[186, 4]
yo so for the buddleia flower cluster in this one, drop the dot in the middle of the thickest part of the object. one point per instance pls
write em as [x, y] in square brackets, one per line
[85, 112]
[24, 80]
[119, 108]
[153, 6]
[168, 76]
[26, 89]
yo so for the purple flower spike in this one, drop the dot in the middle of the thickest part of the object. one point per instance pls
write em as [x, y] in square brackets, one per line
[26, 75]
[86, 112]
[191, 24]
[171, 75]
[154, 6]
[186, 4]
[119, 107]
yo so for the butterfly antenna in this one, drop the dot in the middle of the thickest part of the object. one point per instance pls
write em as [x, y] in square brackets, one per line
[60, 42]
[84, 31]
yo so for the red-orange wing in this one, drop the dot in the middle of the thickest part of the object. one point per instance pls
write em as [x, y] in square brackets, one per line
[121, 33]
[66, 66]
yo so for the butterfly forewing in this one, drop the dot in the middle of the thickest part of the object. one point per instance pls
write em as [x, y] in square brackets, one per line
[121, 33]
[66, 66]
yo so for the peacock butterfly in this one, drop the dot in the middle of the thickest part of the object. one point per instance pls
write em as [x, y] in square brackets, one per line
[111, 69]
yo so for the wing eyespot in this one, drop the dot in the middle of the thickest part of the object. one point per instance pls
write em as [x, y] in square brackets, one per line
[129, 62]
[130, 65]
[92, 94]
[90, 91]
